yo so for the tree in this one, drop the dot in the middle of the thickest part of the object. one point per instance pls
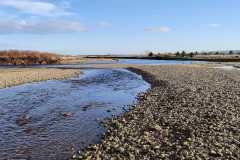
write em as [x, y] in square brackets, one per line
[150, 54]
[183, 54]
[177, 54]
[231, 52]
[191, 54]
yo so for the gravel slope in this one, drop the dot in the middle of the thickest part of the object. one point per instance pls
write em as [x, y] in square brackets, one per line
[191, 112]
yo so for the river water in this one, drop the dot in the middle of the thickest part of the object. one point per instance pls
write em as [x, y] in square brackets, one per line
[123, 62]
[49, 120]
[53, 119]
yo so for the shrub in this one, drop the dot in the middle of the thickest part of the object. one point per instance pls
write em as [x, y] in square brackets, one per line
[183, 54]
[150, 54]
[231, 52]
[16, 57]
[177, 54]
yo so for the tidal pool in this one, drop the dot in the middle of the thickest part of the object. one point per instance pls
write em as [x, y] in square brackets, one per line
[52, 119]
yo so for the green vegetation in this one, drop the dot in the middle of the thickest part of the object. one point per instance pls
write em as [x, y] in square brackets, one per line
[214, 56]
[217, 56]
[236, 54]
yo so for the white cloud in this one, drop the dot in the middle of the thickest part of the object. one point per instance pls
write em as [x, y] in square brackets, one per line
[162, 29]
[34, 7]
[215, 25]
[44, 17]
[40, 26]
[104, 24]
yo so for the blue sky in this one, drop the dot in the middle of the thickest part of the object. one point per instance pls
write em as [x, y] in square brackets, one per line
[119, 26]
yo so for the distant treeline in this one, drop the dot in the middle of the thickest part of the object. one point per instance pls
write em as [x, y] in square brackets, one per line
[16, 57]
[196, 53]
[217, 56]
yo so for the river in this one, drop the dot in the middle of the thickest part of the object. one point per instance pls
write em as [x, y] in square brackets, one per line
[53, 119]
[50, 120]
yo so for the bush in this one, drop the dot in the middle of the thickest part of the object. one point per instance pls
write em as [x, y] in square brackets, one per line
[150, 54]
[16, 57]
[183, 54]
[177, 54]
[191, 54]
[231, 52]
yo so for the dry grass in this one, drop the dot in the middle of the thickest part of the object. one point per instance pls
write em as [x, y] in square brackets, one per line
[16, 76]
[82, 60]
[15, 57]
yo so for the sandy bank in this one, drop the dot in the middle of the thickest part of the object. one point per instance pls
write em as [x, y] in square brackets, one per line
[16, 76]
[191, 112]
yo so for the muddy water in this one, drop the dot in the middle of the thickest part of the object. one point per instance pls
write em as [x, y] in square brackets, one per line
[49, 120]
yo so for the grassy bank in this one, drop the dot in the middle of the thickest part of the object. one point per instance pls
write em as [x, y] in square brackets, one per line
[191, 112]
[16, 76]
[209, 58]
[82, 60]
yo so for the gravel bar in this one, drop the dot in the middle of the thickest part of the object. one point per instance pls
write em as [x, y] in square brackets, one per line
[16, 76]
[190, 112]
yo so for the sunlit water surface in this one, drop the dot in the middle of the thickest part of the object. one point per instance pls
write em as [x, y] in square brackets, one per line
[49, 120]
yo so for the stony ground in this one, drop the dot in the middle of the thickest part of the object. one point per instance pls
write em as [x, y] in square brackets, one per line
[15, 76]
[190, 113]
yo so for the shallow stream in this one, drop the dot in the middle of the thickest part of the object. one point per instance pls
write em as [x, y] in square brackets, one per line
[50, 120]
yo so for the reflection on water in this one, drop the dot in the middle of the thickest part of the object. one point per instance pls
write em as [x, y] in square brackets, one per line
[155, 62]
[49, 120]
[88, 64]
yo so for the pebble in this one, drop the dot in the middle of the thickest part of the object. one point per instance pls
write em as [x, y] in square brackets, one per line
[187, 114]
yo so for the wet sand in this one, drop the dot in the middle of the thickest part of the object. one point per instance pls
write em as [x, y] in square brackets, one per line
[191, 112]
[16, 76]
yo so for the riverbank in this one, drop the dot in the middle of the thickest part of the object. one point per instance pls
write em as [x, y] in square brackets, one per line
[191, 112]
[16, 76]
[84, 60]
[208, 57]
